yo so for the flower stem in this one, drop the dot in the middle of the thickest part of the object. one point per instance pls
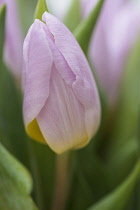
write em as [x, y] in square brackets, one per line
[61, 182]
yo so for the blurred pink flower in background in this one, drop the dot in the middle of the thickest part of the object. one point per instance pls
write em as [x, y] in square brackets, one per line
[13, 39]
[87, 6]
[116, 31]
[61, 102]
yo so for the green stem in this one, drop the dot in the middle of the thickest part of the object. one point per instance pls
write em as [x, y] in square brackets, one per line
[61, 182]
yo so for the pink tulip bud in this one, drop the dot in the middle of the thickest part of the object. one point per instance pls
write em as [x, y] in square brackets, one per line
[115, 34]
[13, 38]
[61, 104]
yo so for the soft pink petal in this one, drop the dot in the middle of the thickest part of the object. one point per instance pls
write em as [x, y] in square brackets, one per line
[62, 118]
[61, 64]
[84, 86]
[37, 69]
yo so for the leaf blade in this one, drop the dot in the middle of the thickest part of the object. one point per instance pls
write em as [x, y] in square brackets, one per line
[15, 184]
[84, 31]
[119, 198]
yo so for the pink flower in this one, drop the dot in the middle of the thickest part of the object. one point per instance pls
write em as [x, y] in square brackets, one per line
[115, 34]
[13, 39]
[61, 103]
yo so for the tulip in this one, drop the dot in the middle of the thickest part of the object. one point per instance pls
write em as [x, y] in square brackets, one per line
[61, 103]
[115, 34]
[13, 39]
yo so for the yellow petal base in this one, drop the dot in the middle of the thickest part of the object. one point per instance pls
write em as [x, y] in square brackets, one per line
[34, 132]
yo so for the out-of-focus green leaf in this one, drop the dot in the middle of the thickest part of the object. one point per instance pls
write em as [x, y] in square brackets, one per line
[15, 184]
[123, 160]
[43, 170]
[117, 200]
[127, 121]
[73, 17]
[2, 30]
[40, 9]
[26, 13]
[89, 179]
[12, 133]
[134, 203]
[84, 30]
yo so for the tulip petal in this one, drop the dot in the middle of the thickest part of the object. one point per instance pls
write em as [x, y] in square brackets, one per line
[61, 64]
[61, 120]
[84, 86]
[37, 69]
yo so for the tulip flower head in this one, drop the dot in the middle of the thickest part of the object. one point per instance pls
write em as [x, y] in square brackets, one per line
[116, 31]
[61, 103]
[13, 39]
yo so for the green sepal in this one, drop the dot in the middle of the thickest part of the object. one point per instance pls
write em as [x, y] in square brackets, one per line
[118, 199]
[40, 9]
[84, 30]
[2, 30]
[73, 17]
[15, 184]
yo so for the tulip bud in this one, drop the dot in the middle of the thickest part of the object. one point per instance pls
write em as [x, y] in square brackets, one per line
[61, 104]
[115, 33]
[13, 39]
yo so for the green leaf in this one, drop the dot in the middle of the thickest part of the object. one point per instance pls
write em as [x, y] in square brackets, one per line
[40, 9]
[2, 30]
[12, 132]
[43, 170]
[127, 120]
[118, 199]
[84, 31]
[123, 160]
[26, 18]
[89, 179]
[15, 184]
[73, 17]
